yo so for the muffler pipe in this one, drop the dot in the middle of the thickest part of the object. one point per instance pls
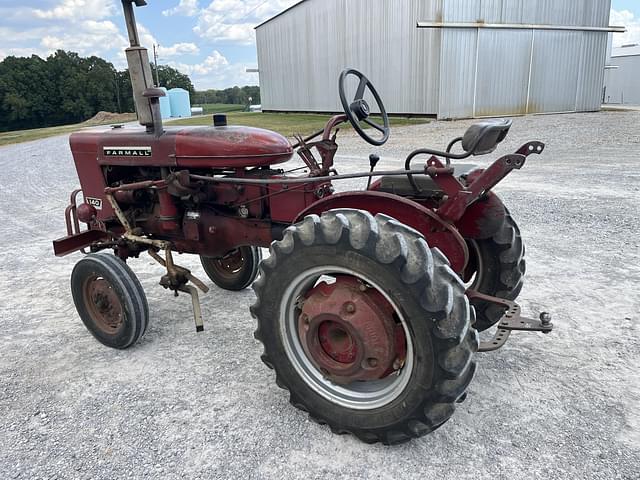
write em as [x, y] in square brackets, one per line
[147, 106]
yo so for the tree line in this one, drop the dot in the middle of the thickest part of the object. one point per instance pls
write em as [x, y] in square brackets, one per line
[234, 95]
[65, 88]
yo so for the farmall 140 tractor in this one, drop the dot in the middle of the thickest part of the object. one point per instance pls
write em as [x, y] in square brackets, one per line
[370, 303]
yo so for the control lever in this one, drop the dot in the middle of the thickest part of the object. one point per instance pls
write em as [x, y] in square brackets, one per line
[373, 161]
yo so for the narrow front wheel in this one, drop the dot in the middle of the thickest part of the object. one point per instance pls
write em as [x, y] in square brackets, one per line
[109, 300]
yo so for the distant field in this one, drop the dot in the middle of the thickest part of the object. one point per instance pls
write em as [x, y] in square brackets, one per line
[20, 136]
[210, 108]
[284, 123]
[288, 124]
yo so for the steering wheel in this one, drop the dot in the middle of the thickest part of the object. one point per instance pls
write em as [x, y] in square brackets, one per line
[358, 110]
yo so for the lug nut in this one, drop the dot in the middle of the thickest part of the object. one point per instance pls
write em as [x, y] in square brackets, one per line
[349, 307]
[372, 362]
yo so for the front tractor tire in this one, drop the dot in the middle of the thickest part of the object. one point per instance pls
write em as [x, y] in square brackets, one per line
[109, 300]
[236, 270]
[367, 328]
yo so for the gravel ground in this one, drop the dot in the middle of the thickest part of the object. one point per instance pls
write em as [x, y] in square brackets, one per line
[182, 405]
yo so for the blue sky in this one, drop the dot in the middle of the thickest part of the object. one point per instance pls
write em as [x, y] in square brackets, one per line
[211, 40]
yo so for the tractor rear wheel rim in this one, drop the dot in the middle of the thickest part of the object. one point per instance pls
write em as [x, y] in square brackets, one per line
[103, 304]
[358, 395]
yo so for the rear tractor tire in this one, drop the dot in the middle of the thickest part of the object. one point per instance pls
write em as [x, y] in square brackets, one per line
[109, 300]
[236, 270]
[367, 328]
[497, 269]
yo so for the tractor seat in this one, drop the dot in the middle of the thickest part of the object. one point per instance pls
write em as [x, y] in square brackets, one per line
[483, 137]
[428, 188]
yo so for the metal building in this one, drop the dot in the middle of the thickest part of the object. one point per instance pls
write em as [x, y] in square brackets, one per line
[447, 58]
[622, 78]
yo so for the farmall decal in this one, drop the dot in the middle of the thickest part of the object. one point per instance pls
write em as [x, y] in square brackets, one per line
[127, 151]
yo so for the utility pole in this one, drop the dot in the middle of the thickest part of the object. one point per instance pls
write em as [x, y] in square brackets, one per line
[155, 60]
[117, 82]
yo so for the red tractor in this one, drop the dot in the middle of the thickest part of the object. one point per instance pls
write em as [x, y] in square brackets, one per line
[370, 303]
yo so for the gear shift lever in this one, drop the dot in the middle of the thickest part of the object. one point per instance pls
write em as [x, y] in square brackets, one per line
[373, 161]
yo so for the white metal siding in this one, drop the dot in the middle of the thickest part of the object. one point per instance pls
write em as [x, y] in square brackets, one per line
[517, 71]
[301, 54]
[586, 13]
[591, 75]
[503, 73]
[555, 67]
[622, 85]
[451, 72]
[458, 73]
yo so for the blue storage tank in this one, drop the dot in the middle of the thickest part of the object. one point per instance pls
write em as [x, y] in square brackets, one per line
[165, 104]
[180, 102]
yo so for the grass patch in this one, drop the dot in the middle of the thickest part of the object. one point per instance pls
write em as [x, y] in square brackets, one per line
[288, 124]
[210, 108]
[19, 136]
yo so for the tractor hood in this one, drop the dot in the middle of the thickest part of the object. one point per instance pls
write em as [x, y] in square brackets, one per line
[187, 147]
[231, 147]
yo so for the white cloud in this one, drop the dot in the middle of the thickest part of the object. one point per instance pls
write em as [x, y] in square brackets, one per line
[216, 71]
[22, 52]
[214, 62]
[81, 26]
[188, 8]
[234, 20]
[86, 38]
[629, 20]
[146, 37]
[78, 9]
[94, 27]
[178, 49]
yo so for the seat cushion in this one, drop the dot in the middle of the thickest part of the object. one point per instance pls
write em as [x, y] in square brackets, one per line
[427, 187]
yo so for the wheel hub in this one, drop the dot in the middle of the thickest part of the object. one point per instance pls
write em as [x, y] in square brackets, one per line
[349, 332]
[103, 304]
[231, 262]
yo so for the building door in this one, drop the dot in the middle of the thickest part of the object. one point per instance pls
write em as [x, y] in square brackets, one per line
[503, 72]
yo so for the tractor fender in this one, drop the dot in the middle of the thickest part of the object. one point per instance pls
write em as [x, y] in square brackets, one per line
[483, 219]
[438, 233]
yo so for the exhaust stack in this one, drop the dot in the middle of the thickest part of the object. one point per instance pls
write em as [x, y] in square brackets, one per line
[145, 96]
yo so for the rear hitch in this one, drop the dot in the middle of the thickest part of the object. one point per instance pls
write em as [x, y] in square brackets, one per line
[512, 320]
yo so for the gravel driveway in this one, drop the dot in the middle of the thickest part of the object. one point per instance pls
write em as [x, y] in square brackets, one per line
[187, 405]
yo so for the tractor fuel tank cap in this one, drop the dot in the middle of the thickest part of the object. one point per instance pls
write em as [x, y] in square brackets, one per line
[219, 120]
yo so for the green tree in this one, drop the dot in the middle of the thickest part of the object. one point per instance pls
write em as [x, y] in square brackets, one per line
[66, 88]
[100, 84]
[25, 90]
[235, 95]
